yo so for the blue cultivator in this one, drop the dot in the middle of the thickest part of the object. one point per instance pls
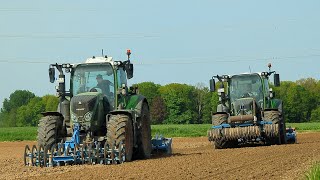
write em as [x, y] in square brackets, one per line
[72, 152]
[291, 135]
[161, 144]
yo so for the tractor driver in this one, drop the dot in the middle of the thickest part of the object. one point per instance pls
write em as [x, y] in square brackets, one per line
[104, 85]
[247, 91]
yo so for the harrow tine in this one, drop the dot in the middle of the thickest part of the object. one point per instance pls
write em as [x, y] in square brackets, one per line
[34, 153]
[113, 155]
[27, 155]
[89, 153]
[76, 152]
[106, 152]
[53, 152]
[98, 153]
[121, 153]
[40, 156]
[83, 153]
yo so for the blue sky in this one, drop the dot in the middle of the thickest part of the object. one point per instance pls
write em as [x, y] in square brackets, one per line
[171, 41]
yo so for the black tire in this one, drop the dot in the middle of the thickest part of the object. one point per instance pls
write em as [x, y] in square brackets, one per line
[218, 119]
[222, 143]
[282, 124]
[49, 131]
[119, 129]
[144, 135]
[274, 117]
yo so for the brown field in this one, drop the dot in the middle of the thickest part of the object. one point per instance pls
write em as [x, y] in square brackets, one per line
[193, 158]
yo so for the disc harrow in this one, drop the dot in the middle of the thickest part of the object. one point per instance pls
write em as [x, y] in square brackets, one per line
[72, 152]
[64, 154]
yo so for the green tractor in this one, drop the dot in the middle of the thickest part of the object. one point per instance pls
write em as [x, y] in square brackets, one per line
[248, 112]
[100, 120]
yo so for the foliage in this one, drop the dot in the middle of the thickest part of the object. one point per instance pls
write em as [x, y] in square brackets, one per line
[158, 111]
[27, 113]
[174, 103]
[179, 99]
[17, 99]
[314, 172]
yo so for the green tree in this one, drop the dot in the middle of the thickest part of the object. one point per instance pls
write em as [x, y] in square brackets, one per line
[17, 99]
[315, 115]
[51, 102]
[203, 103]
[158, 110]
[149, 90]
[180, 103]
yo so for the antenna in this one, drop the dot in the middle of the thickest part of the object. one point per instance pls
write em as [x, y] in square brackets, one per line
[102, 52]
[250, 69]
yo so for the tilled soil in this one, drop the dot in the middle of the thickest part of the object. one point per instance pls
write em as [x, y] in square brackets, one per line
[192, 158]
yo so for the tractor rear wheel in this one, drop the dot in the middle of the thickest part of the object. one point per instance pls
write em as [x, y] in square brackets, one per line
[273, 116]
[218, 119]
[221, 142]
[120, 132]
[144, 136]
[49, 130]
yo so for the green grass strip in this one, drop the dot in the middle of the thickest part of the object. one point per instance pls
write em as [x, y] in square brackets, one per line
[167, 130]
[314, 172]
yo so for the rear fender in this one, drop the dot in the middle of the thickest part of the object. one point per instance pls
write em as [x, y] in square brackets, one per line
[52, 113]
[135, 103]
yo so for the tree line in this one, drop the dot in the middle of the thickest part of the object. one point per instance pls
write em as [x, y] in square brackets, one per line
[173, 103]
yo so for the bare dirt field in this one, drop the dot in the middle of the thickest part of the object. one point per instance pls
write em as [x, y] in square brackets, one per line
[193, 158]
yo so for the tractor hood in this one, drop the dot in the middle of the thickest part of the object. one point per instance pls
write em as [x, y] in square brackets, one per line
[83, 107]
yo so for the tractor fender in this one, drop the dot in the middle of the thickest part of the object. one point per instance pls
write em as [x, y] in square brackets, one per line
[138, 109]
[52, 113]
[121, 111]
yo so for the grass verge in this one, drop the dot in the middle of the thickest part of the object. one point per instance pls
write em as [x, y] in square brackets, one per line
[167, 130]
[314, 172]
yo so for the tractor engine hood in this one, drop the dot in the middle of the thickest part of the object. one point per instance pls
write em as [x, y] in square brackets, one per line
[83, 107]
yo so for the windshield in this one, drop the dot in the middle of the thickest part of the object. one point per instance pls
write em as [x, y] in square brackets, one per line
[243, 86]
[93, 78]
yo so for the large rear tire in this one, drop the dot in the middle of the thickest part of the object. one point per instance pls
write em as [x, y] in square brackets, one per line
[218, 119]
[222, 143]
[144, 135]
[120, 131]
[274, 117]
[49, 131]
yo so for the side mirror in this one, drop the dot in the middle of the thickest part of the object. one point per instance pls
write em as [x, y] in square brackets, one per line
[129, 70]
[52, 74]
[276, 80]
[212, 85]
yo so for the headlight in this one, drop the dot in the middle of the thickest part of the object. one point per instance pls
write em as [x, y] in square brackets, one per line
[88, 116]
[74, 118]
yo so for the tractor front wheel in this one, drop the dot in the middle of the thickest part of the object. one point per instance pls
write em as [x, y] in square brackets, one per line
[120, 133]
[273, 116]
[50, 130]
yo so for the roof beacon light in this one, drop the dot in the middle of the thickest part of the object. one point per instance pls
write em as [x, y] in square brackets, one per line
[128, 53]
